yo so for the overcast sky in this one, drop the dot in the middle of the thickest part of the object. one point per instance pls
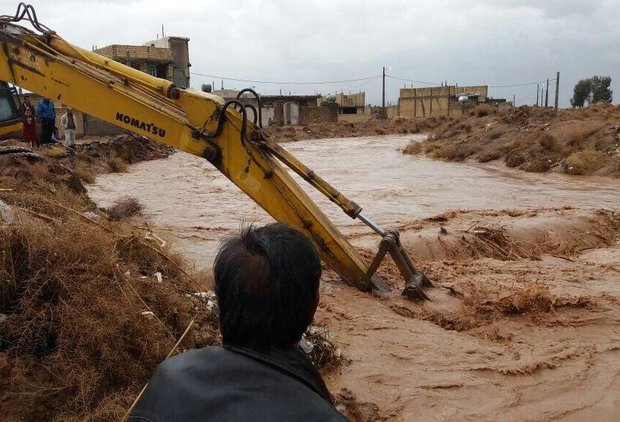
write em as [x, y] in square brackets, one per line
[494, 42]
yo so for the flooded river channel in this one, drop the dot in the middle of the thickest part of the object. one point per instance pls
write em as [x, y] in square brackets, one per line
[186, 197]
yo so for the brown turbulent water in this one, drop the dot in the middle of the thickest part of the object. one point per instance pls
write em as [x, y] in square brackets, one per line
[186, 195]
[519, 340]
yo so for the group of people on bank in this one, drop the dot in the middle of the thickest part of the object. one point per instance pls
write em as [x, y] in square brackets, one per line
[39, 124]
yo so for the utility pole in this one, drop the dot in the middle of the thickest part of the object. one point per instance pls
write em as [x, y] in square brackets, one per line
[514, 100]
[383, 96]
[557, 91]
[537, 89]
[547, 95]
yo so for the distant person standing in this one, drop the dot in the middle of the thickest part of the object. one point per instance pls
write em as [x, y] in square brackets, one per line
[29, 124]
[27, 105]
[69, 124]
[46, 114]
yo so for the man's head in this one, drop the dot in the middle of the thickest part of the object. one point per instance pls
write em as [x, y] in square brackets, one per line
[267, 284]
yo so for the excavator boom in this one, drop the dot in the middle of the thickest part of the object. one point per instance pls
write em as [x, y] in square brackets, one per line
[195, 122]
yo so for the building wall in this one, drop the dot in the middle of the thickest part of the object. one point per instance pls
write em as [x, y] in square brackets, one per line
[435, 101]
[144, 57]
[351, 100]
[308, 115]
[135, 52]
[179, 48]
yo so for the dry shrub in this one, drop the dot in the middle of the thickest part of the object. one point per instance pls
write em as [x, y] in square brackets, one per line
[490, 156]
[584, 162]
[413, 148]
[538, 165]
[117, 165]
[514, 159]
[84, 332]
[56, 151]
[548, 142]
[577, 136]
[482, 110]
[124, 208]
[454, 152]
[495, 135]
[84, 172]
[494, 242]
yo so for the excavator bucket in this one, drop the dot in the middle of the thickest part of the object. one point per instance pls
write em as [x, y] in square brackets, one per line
[415, 280]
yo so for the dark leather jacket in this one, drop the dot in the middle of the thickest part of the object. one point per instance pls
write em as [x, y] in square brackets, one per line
[236, 384]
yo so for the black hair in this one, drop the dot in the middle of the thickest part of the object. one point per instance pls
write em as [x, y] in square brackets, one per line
[267, 283]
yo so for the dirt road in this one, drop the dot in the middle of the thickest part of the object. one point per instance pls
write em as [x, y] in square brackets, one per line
[524, 321]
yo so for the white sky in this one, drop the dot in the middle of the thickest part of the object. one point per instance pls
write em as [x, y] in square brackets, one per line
[495, 42]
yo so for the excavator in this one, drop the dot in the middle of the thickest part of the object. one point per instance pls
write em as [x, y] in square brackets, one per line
[226, 133]
[10, 117]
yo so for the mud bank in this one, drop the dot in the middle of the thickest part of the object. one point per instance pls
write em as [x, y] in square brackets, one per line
[580, 141]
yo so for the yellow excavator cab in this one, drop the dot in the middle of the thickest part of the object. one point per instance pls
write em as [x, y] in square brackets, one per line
[10, 115]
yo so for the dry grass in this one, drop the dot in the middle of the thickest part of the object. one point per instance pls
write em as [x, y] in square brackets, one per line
[117, 165]
[548, 142]
[584, 162]
[413, 148]
[482, 110]
[530, 138]
[84, 172]
[84, 330]
[55, 151]
[124, 208]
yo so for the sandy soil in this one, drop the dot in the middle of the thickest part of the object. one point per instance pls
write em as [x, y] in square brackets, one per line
[503, 338]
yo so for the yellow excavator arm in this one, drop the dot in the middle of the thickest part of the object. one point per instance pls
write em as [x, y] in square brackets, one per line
[198, 123]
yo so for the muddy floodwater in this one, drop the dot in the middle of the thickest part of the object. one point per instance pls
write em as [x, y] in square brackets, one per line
[529, 334]
[187, 197]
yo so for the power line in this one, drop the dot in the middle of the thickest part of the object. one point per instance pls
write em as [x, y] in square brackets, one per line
[521, 84]
[286, 82]
[412, 80]
[490, 86]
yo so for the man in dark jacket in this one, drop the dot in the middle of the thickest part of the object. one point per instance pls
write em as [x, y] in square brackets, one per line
[267, 285]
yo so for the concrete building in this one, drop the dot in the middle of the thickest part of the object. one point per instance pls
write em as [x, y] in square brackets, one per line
[439, 101]
[179, 47]
[351, 103]
[166, 58]
[287, 109]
